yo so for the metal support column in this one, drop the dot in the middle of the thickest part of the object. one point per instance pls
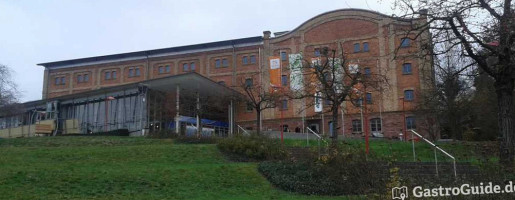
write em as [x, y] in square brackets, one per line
[177, 102]
[199, 129]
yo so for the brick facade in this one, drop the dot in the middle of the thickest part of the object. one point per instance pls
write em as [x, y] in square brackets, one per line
[231, 65]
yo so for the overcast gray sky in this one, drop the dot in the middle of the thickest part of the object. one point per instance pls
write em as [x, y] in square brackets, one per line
[37, 31]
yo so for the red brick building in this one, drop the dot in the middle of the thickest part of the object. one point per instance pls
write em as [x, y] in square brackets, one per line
[379, 42]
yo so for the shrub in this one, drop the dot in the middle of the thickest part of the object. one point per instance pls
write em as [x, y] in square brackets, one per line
[342, 172]
[252, 148]
[195, 140]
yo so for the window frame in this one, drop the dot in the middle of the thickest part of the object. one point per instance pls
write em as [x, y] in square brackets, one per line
[367, 71]
[405, 42]
[193, 66]
[405, 66]
[113, 75]
[225, 62]
[185, 67]
[244, 60]
[249, 107]
[249, 82]
[284, 104]
[137, 72]
[285, 54]
[366, 47]
[86, 77]
[316, 52]
[377, 124]
[80, 79]
[161, 69]
[253, 59]
[357, 47]
[284, 80]
[368, 98]
[412, 95]
[167, 68]
[107, 75]
[218, 63]
[356, 126]
[411, 123]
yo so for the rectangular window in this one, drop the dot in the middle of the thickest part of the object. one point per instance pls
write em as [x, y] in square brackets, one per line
[192, 66]
[358, 102]
[365, 47]
[248, 82]
[250, 107]
[284, 56]
[405, 42]
[185, 67]
[317, 52]
[79, 79]
[369, 98]
[167, 68]
[63, 81]
[245, 60]
[284, 104]
[138, 72]
[58, 80]
[408, 95]
[410, 123]
[406, 68]
[284, 80]
[328, 102]
[375, 125]
[86, 77]
[131, 72]
[225, 62]
[357, 48]
[253, 59]
[161, 69]
[107, 75]
[217, 63]
[356, 126]
[368, 72]
[113, 74]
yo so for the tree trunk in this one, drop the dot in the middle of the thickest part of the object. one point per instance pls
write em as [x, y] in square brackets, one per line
[504, 89]
[258, 119]
[334, 135]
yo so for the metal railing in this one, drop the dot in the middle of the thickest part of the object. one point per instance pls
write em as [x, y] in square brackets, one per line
[244, 131]
[319, 139]
[435, 148]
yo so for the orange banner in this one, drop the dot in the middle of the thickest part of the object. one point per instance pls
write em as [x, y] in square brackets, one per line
[275, 72]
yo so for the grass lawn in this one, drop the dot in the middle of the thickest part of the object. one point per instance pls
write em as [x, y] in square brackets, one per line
[402, 151]
[126, 168]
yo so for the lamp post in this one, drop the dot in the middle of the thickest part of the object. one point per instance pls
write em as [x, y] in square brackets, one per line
[107, 109]
[404, 118]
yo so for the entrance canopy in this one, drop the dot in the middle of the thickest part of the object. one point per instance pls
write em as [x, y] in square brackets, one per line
[139, 106]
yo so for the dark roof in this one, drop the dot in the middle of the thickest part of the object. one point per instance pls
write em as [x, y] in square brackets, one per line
[155, 51]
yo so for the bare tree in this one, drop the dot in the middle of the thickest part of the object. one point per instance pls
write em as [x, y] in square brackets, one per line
[449, 100]
[485, 31]
[257, 97]
[8, 90]
[337, 79]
